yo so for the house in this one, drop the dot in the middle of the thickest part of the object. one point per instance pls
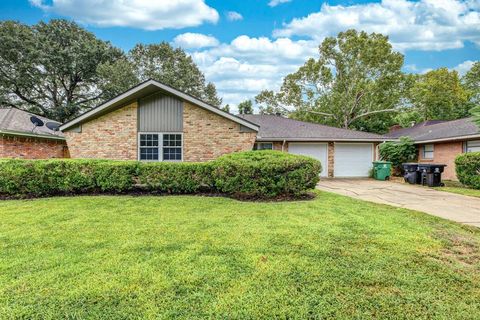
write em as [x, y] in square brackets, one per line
[442, 141]
[155, 122]
[343, 153]
[28, 136]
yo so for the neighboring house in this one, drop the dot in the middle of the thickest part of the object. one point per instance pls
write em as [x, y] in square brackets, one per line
[21, 138]
[442, 141]
[154, 122]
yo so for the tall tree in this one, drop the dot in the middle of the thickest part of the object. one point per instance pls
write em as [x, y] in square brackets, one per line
[245, 107]
[173, 67]
[356, 77]
[439, 95]
[471, 81]
[51, 68]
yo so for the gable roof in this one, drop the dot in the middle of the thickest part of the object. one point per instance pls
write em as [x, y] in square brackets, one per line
[144, 89]
[17, 122]
[278, 128]
[439, 131]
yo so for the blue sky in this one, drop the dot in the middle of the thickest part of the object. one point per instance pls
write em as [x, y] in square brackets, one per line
[249, 45]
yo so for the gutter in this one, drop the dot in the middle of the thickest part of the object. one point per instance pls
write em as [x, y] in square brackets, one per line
[31, 135]
[472, 136]
[266, 139]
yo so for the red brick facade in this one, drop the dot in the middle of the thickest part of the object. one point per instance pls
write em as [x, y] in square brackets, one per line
[31, 148]
[444, 153]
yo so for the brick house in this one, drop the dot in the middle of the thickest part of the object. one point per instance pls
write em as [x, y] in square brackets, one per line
[21, 138]
[155, 122]
[442, 141]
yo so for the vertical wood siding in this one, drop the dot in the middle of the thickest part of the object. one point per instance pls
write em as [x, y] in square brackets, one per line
[160, 113]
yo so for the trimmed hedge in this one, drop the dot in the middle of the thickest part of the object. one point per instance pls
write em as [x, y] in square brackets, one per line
[260, 174]
[265, 174]
[467, 167]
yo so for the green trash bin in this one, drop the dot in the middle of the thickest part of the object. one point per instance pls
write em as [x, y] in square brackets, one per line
[381, 170]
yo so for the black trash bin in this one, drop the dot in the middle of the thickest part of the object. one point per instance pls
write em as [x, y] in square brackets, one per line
[411, 174]
[431, 174]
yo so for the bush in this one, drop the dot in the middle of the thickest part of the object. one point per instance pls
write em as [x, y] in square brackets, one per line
[265, 174]
[398, 152]
[467, 166]
[261, 174]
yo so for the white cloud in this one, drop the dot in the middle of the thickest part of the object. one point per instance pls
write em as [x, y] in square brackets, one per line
[420, 25]
[463, 67]
[274, 3]
[245, 66]
[194, 40]
[234, 16]
[143, 14]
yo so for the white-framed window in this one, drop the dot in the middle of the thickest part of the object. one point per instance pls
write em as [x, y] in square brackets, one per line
[263, 146]
[473, 146]
[428, 151]
[155, 146]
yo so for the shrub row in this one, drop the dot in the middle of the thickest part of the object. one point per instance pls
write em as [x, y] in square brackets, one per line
[467, 166]
[262, 174]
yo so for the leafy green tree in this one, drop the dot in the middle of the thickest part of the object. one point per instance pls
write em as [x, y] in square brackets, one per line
[471, 82]
[439, 95]
[398, 152]
[173, 67]
[116, 77]
[226, 108]
[51, 68]
[245, 107]
[356, 79]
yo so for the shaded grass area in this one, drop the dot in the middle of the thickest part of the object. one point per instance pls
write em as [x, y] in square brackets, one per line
[457, 187]
[121, 257]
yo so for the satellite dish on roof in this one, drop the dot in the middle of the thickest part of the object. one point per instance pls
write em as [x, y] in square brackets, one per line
[52, 126]
[36, 121]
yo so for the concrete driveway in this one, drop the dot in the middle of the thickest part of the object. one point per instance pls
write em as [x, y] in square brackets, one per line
[447, 205]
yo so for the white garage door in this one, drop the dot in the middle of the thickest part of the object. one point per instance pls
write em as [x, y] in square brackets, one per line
[353, 159]
[318, 151]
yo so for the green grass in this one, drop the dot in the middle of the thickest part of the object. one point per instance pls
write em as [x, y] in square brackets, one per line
[457, 187]
[196, 257]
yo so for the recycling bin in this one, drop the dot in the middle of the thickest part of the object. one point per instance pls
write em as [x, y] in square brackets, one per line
[431, 174]
[411, 175]
[381, 170]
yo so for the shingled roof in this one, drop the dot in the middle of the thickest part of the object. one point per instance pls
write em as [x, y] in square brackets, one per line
[434, 131]
[278, 128]
[14, 121]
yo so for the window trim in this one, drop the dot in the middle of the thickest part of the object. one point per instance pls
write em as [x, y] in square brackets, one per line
[160, 146]
[432, 151]
[467, 146]
[263, 142]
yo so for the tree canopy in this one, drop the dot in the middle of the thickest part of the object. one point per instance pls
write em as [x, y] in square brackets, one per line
[245, 107]
[51, 68]
[357, 76]
[58, 69]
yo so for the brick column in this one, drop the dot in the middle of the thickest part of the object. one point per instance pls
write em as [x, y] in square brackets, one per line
[331, 159]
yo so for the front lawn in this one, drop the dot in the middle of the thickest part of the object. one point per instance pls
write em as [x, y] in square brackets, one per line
[120, 257]
[457, 187]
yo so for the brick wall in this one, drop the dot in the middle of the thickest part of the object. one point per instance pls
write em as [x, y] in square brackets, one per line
[207, 135]
[444, 153]
[31, 148]
[111, 136]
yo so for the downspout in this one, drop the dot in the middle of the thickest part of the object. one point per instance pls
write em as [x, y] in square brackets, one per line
[283, 145]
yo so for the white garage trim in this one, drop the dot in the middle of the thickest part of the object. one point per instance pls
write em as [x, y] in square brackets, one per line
[315, 150]
[353, 159]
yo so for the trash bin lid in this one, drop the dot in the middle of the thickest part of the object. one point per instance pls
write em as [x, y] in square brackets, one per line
[381, 162]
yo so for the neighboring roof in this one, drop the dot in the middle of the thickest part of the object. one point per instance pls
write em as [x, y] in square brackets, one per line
[277, 128]
[430, 131]
[17, 122]
[144, 89]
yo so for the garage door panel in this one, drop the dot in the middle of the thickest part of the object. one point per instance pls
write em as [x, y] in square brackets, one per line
[318, 151]
[353, 159]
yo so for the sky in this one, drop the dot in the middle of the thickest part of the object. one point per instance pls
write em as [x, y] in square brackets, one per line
[245, 46]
